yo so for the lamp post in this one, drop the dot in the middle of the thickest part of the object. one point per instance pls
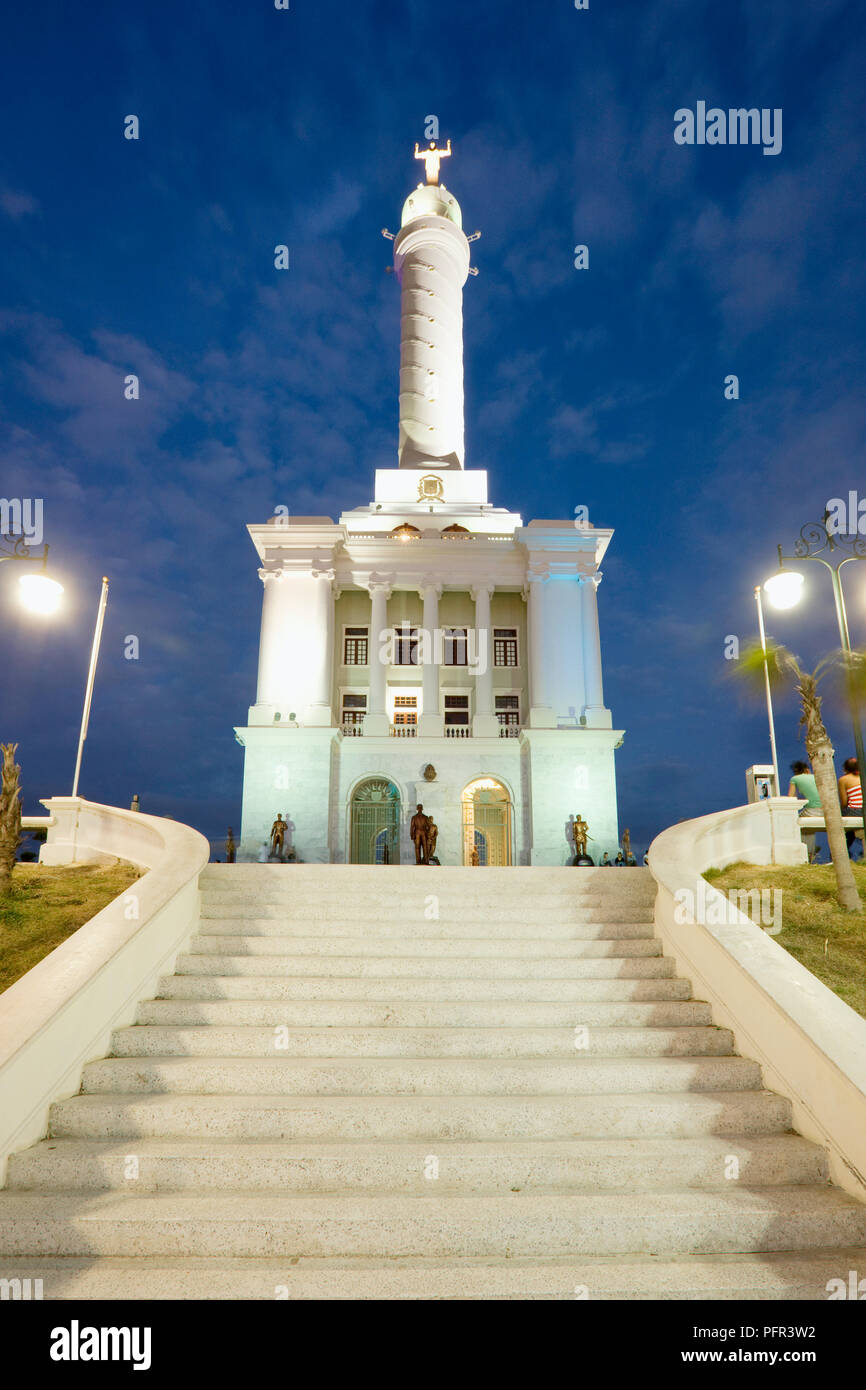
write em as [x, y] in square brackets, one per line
[784, 589]
[767, 688]
[38, 592]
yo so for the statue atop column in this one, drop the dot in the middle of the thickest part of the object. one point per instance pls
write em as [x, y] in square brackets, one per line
[432, 157]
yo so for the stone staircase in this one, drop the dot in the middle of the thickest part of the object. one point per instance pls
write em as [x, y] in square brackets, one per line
[412, 1083]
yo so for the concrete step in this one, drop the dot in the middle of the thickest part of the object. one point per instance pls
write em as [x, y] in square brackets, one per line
[248, 986]
[285, 1041]
[672, 1114]
[509, 911]
[420, 949]
[439, 930]
[403, 1167]
[397, 1076]
[680, 1221]
[336, 1015]
[769, 1276]
[436, 968]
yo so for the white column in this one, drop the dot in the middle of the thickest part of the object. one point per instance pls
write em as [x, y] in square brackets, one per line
[596, 714]
[272, 666]
[319, 710]
[432, 721]
[296, 646]
[540, 714]
[431, 258]
[484, 721]
[376, 718]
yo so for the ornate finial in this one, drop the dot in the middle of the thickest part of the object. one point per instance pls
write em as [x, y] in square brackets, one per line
[431, 157]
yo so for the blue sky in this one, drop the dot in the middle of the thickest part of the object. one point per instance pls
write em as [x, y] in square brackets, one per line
[601, 387]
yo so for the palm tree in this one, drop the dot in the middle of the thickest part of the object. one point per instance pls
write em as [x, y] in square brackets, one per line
[10, 815]
[784, 667]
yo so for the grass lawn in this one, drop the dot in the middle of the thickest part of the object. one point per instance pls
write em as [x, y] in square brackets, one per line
[48, 904]
[829, 942]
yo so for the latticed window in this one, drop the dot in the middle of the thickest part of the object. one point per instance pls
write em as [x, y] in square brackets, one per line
[405, 646]
[456, 709]
[355, 646]
[508, 710]
[505, 646]
[405, 709]
[354, 709]
[454, 646]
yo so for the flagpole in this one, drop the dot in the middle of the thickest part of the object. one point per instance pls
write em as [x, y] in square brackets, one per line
[91, 676]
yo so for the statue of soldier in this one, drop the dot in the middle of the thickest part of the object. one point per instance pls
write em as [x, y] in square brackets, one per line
[579, 833]
[278, 835]
[231, 847]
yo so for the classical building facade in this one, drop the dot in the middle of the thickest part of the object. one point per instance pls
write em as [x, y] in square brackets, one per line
[430, 647]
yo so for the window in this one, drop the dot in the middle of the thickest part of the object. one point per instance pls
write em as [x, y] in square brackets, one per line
[405, 709]
[508, 710]
[405, 652]
[505, 646]
[456, 710]
[354, 709]
[454, 646]
[355, 646]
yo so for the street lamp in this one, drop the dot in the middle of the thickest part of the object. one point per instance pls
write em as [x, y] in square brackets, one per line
[784, 590]
[767, 689]
[38, 592]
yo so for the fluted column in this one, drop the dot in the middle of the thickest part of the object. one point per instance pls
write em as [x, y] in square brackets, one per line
[484, 721]
[596, 714]
[376, 718]
[432, 721]
[319, 710]
[540, 712]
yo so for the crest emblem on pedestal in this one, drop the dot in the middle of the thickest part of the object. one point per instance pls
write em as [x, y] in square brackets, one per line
[430, 488]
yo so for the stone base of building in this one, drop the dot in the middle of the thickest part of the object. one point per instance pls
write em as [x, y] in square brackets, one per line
[535, 784]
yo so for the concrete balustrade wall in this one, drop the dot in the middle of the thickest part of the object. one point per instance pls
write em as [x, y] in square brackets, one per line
[811, 1045]
[60, 1015]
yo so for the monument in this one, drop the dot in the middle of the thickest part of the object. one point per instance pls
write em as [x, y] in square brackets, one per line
[430, 629]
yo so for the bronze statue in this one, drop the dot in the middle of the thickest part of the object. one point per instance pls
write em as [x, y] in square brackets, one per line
[626, 843]
[473, 858]
[419, 832]
[231, 847]
[278, 835]
[580, 836]
[432, 837]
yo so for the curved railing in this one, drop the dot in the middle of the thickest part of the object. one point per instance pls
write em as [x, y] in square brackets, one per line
[811, 1045]
[61, 1014]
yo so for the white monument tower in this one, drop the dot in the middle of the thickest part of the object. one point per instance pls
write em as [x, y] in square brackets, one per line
[430, 648]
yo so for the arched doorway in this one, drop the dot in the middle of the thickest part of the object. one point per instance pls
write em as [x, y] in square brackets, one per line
[374, 831]
[486, 822]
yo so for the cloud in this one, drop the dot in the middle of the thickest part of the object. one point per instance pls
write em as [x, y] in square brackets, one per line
[17, 204]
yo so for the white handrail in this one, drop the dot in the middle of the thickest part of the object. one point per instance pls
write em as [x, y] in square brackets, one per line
[61, 1014]
[811, 1045]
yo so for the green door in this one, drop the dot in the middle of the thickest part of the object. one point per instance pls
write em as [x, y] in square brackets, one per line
[375, 834]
